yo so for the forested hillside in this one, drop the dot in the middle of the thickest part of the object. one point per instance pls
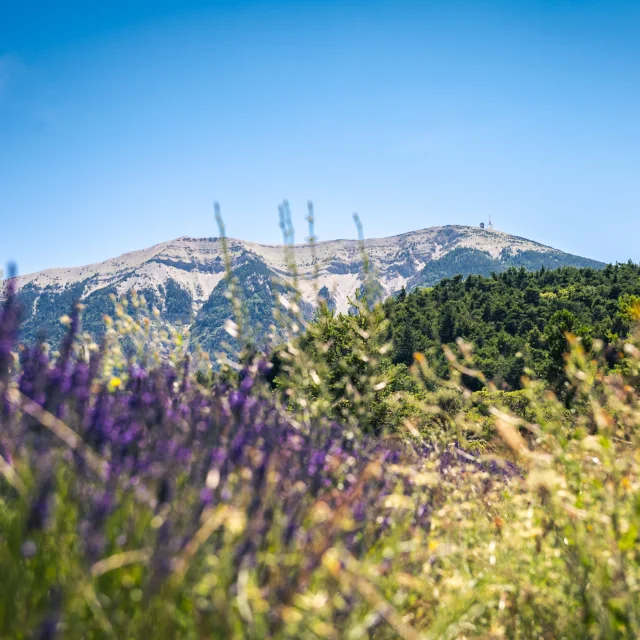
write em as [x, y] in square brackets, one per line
[516, 319]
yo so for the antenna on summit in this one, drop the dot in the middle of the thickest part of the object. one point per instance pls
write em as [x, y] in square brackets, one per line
[490, 225]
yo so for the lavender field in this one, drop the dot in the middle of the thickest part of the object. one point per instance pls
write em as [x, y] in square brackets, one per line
[148, 494]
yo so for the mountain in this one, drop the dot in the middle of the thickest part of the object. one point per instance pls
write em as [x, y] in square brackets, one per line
[184, 278]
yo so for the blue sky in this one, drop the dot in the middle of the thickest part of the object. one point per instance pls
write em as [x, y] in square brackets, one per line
[120, 124]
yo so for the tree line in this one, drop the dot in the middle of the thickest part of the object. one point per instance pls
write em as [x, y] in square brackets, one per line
[517, 320]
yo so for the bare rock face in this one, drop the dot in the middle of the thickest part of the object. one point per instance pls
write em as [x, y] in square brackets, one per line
[184, 278]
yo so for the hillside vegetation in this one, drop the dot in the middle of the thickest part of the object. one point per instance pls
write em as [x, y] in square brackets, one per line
[517, 319]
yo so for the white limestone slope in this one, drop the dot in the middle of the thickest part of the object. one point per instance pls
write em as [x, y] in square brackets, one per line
[197, 263]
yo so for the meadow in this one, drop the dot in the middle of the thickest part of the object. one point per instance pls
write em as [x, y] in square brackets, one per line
[334, 490]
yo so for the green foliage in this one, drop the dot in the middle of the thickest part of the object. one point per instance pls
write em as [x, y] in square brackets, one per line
[351, 367]
[466, 261]
[515, 320]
